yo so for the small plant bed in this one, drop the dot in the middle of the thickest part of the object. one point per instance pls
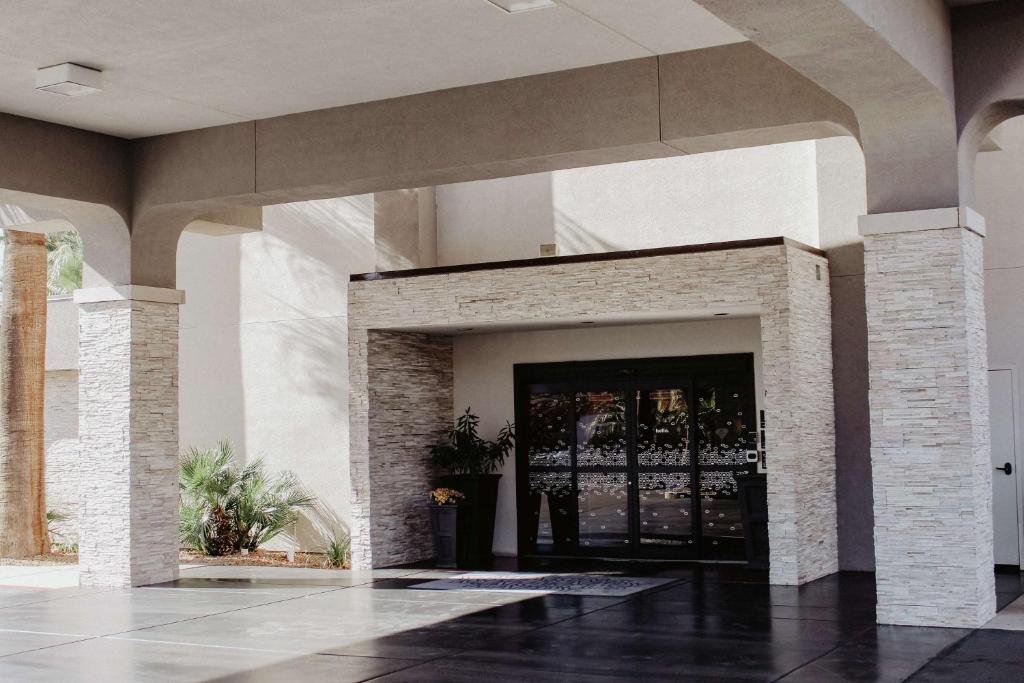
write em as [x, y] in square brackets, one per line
[259, 558]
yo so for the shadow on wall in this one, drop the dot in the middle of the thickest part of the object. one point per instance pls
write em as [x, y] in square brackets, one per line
[317, 527]
[289, 341]
[572, 237]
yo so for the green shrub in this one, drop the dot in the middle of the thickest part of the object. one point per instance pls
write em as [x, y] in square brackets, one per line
[226, 507]
[337, 551]
[464, 451]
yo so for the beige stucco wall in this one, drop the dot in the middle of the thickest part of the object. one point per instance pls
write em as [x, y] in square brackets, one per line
[263, 353]
[483, 373]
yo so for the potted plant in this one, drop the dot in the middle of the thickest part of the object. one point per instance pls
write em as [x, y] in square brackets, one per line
[472, 463]
[444, 514]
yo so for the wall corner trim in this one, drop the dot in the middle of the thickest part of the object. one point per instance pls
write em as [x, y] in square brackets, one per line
[160, 295]
[927, 219]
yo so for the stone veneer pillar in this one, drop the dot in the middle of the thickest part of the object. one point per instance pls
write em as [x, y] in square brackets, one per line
[128, 430]
[931, 472]
[406, 408]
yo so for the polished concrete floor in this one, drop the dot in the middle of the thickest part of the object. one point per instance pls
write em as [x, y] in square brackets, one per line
[265, 624]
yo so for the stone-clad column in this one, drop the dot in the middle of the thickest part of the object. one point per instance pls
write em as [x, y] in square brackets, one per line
[796, 358]
[931, 472]
[400, 404]
[128, 429]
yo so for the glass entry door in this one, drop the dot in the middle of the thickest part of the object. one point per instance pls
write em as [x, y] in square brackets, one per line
[634, 458]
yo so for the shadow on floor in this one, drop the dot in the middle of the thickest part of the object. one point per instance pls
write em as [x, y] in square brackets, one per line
[278, 624]
[717, 623]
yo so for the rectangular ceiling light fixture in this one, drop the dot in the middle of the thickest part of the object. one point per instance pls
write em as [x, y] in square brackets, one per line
[70, 80]
[514, 6]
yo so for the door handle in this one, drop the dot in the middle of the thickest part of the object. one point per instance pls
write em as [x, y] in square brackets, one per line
[1006, 469]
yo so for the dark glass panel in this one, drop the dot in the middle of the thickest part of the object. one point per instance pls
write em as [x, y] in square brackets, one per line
[550, 422]
[725, 423]
[663, 428]
[603, 510]
[601, 429]
[665, 509]
[552, 505]
[726, 433]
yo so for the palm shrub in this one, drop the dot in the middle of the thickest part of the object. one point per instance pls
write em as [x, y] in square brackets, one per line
[226, 507]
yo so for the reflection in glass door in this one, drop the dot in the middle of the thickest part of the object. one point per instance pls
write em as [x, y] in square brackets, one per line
[726, 433]
[634, 458]
[601, 470]
[664, 469]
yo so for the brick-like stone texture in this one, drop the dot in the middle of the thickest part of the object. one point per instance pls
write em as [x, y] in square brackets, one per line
[400, 382]
[406, 408]
[62, 453]
[929, 427]
[128, 429]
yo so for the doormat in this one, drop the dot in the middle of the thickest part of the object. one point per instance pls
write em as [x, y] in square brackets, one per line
[546, 584]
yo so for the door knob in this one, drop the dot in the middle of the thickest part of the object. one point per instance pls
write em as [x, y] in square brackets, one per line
[1006, 469]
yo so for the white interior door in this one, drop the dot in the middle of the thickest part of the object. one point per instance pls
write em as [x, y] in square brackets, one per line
[1005, 500]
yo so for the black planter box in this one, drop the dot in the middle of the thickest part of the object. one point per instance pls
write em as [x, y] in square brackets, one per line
[476, 518]
[444, 520]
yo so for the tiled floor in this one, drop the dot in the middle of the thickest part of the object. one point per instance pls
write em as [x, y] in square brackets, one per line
[263, 624]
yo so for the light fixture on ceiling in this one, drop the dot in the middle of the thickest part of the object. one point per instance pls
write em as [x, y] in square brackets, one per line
[515, 6]
[70, 80]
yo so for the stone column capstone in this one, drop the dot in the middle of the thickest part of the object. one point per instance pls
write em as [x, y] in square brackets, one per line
[928, 396]
[128, 429]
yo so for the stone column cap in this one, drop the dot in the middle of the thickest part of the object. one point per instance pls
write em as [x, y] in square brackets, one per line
[926, 219]
[95, 295]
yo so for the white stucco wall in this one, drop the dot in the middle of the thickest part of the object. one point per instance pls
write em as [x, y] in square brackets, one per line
[263, 344]
[731, 195]
[1000, 199]
[483, 373]
[62, 451]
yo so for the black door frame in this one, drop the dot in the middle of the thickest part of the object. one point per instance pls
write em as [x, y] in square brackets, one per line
[631, 375]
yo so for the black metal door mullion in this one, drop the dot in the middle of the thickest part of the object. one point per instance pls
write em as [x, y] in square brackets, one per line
[574, 509]
[632, 476]
[696, 508]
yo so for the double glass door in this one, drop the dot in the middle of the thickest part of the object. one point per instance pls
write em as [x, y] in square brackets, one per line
[634, 458]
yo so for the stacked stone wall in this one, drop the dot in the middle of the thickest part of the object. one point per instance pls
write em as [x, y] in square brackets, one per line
[786, 285]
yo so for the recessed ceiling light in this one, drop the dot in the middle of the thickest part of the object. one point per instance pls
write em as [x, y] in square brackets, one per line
[514, 6]
[70, 80]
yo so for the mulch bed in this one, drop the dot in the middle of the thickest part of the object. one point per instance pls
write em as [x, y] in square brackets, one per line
[258, 558]
[55, 558]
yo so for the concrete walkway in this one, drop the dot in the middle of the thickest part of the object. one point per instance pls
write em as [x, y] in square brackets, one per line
[284, 624]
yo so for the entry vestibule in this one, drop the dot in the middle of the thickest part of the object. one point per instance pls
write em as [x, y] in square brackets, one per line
[401, 372]
[638, 458]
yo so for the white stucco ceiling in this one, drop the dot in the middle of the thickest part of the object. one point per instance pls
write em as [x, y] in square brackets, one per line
[172, 66]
